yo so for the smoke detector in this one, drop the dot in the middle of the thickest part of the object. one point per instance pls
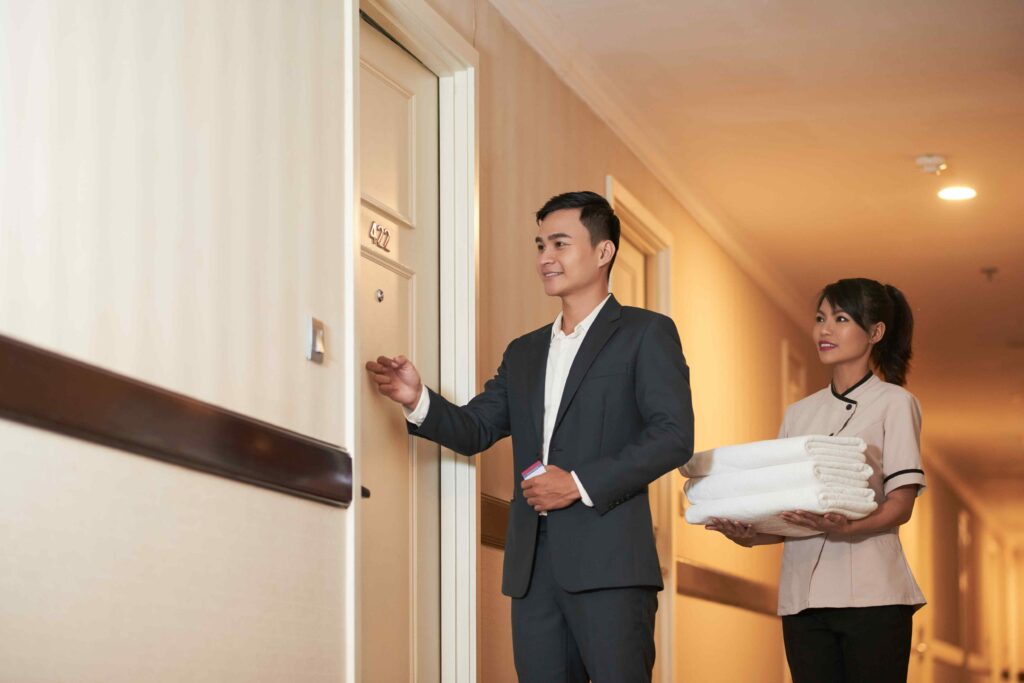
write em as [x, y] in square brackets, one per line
[932, 163]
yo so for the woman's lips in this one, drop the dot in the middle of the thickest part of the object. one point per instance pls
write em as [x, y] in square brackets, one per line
[826, 346]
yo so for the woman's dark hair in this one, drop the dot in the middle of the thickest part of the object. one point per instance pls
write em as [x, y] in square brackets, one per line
[596, 214]
[869, 302]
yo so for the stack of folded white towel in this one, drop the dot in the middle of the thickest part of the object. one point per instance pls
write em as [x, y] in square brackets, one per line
[755, 482]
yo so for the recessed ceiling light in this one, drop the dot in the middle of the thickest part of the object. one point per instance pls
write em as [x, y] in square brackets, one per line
[957, 194]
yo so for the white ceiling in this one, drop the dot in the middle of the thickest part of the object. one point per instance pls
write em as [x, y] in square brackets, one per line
[796, 125]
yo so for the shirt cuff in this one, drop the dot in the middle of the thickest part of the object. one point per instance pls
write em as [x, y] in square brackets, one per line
[418, 414]
[583, 492]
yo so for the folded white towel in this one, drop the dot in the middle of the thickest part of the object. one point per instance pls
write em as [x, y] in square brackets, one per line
[762, 509]
[777, 478]
[845, 453]
[775, 452]
[851, 464]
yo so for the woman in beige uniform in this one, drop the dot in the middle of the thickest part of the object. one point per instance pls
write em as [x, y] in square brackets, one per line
[847, 596]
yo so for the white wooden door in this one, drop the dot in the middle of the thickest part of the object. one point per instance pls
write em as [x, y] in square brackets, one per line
[397, 309]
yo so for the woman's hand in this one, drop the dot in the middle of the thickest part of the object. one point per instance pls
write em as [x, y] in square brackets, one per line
[830, 523]
[737, 532]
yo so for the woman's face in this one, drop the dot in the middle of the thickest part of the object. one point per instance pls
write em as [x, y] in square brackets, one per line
[839, 339]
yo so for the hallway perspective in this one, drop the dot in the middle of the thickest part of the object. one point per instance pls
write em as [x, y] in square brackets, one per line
[214, 213]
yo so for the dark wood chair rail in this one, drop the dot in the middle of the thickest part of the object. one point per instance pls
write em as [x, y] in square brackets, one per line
[493, 520]
[692, 579]
[53, 392]
[711, 584]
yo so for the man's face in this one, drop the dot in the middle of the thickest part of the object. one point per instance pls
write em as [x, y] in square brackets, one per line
[566, 260]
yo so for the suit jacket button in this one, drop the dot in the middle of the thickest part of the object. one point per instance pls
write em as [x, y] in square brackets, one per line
[849, 407]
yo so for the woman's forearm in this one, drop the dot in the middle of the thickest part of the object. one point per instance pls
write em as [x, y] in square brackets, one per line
[894, 511]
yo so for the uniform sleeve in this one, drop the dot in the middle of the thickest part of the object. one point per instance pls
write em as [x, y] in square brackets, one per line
[901, 448]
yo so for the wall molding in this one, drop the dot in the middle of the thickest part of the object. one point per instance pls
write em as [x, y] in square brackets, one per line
[947, 653]
[494, 514]
[53, 392]
[697, 581]
[542, 31]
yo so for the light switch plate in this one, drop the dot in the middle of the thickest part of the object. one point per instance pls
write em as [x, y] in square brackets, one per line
[316, 345]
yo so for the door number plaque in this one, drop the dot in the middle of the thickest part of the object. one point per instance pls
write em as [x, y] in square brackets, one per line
[380, 235]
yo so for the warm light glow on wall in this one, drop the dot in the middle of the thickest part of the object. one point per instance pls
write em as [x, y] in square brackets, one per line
[957, 194]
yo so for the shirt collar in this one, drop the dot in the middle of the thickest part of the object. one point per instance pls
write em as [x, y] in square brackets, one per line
[848, 396]
[582, 327]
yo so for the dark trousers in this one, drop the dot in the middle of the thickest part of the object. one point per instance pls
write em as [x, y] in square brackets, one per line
[849, 644]
[606, 636]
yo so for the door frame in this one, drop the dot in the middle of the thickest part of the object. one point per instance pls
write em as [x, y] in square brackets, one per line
[655, 241]
[430, 39]
[651, 237]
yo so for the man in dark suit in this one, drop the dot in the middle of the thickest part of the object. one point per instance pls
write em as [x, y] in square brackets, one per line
[602, 399]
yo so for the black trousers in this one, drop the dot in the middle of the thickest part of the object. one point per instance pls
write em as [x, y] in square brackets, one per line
[606, 636]
[849, 644]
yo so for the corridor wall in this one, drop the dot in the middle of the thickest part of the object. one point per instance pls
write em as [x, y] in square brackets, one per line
[170, 210]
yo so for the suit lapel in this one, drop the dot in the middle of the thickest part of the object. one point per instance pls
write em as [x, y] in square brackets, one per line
[536, 372]
[605, 325]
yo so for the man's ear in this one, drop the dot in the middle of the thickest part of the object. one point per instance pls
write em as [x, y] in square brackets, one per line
[877, 333]
[606, 251]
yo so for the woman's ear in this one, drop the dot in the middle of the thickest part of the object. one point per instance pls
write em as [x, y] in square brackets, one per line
[877, 333]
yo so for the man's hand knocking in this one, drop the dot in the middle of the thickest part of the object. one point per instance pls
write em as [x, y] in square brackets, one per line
[397, 378]
[553, 490]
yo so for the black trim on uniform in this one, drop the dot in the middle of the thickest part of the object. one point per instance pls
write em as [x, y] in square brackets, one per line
[842, 396]
[896, 474]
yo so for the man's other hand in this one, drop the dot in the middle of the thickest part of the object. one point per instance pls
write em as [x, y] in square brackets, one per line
[397, 378]
[553, 490]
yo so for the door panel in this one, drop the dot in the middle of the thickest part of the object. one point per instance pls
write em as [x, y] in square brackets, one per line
[629, 276]
[397, 309]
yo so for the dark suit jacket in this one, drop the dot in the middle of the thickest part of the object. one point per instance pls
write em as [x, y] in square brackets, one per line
[625, 419]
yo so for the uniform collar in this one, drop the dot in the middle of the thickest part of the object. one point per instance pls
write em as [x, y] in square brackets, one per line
[849, 395]
[582, 327]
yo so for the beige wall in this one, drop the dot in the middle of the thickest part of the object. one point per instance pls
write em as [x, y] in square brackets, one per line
[169, 209]
[537, 138]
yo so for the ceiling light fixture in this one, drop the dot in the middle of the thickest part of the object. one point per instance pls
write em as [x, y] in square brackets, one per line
[957, 193]
[932, 163]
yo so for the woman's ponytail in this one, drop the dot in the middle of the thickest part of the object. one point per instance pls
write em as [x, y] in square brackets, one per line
[892, 354]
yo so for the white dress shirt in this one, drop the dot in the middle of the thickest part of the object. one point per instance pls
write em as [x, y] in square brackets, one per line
[561, 353]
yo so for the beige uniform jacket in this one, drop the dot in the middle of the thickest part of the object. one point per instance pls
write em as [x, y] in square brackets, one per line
[870, 569]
